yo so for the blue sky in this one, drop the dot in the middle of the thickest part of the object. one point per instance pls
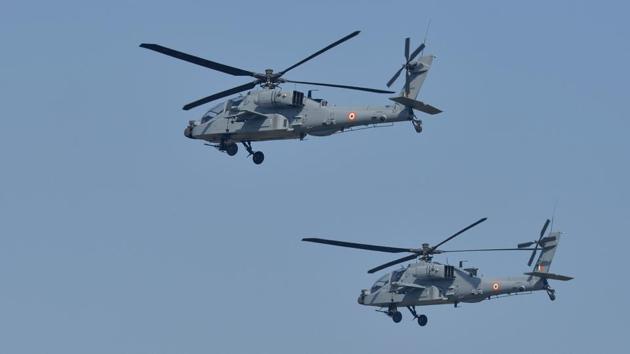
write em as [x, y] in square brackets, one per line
[119, 235]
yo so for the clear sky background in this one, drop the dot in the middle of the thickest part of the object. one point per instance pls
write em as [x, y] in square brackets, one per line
[119, 235]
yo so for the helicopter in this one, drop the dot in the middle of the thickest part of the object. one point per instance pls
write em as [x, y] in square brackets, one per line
[274, 114]
[432, 283]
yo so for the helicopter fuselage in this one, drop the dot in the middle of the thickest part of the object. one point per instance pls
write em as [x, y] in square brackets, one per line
[273, 114]
[431, 283]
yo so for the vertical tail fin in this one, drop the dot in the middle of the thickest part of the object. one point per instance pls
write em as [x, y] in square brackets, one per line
[418, 71]
[549, 245]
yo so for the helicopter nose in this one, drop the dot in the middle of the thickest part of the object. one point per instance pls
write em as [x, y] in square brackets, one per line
[361, 299]
[188, 132]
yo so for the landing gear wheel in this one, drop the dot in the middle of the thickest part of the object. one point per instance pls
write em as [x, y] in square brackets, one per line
[422, 320]
[258, 157]
[231, 149]
[397, 316]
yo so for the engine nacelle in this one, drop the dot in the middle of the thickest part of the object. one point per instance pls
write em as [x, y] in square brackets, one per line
[434, 271]
[276, 98]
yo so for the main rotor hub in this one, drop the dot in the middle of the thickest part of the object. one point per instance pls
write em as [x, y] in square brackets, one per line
[271, 79]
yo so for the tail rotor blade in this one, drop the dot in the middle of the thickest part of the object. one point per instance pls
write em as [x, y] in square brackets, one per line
[531, 258]
[408, 59]
[542, 233]
[416, 52]
[407, 40]
[395, 77]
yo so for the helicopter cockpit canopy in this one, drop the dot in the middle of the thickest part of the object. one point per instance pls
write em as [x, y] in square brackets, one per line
[213, 112]
[386, 279]
[219, 107]
[382, 281]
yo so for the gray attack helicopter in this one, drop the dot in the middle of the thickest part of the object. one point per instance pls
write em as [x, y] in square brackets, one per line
[431, 283]
[273, 114]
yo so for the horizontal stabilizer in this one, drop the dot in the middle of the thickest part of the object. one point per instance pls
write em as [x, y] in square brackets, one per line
[417, 105]
[549, 276]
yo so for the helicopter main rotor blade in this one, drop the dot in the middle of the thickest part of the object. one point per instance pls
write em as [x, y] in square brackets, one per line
[221, 94]
[457, 234]
[330, 46]
[389, 264]
[525, 244]
[196, 60]
[487, 249]
[360, 246]
[542, 233]
[340, 86]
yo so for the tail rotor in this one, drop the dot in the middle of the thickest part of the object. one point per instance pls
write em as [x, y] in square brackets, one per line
[407, 65]
[536, 243]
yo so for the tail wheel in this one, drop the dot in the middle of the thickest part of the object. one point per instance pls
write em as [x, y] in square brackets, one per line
[417, 125]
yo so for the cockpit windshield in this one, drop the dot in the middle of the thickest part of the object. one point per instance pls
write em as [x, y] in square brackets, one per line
[218, 109]
[213, 112]
[397, 274]
[380, 283]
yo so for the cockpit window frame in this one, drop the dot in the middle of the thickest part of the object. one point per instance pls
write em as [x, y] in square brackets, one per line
[380, 283]
[220, 108]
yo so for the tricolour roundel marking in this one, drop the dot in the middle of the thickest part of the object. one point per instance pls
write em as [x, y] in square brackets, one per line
[352, 116]
[496, 286]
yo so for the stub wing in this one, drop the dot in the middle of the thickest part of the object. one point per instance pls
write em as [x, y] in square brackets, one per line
[246, 114]
[408, 285]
